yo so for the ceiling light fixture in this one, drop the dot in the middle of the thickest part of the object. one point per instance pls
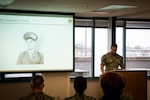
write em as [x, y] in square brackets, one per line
[5, 3]
[115, 7]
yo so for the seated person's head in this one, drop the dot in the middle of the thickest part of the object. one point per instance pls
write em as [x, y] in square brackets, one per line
[80, 85]
[37, 82]
[112, 84]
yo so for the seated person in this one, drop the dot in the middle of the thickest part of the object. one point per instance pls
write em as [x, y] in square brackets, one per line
[125, 94]
[113, 84]
[37, 85]
[80, 85]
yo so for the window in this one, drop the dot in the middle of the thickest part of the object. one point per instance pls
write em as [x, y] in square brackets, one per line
[101, 48]
[137, 46]
[15, 77]
[119, 40]
[138, 49]
[89, 37]
[83, 36]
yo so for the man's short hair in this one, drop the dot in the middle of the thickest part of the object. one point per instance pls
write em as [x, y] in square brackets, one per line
[113, 83]
[114, 45]
[80, 84]
[37, 81]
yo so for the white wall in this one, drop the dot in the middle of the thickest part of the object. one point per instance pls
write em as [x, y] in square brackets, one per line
[57, 84]
[60, 86]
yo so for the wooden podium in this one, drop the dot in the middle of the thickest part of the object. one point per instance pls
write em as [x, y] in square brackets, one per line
[136, 83]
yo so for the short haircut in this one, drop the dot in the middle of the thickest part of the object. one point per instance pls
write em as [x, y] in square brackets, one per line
[113, 83]
[37, 81]
[114, 45]
[80, 84]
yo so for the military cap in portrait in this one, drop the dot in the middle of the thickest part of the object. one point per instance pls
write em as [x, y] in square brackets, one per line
[30, 35]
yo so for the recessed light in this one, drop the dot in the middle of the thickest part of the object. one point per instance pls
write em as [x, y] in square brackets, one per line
[114, 7]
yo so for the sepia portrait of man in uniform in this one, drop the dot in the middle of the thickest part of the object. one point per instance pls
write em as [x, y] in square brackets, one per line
[31, 55]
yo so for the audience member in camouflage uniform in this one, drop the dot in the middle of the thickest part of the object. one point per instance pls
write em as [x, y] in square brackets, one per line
[113, 84]
[111, 60]
[125, 94]
[37, 85]
[80, 85]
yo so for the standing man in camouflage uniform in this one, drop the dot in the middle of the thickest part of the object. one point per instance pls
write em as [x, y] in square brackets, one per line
[111, 60]
[37, 85]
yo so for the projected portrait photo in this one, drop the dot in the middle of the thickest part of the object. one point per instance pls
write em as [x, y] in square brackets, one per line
[30, 55]
[40, 40]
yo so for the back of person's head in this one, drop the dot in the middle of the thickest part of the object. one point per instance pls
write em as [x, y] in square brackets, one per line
[80, 84]
[112, 84]
[37, 82]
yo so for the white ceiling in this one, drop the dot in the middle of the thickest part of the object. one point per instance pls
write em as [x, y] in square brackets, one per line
[86, 8]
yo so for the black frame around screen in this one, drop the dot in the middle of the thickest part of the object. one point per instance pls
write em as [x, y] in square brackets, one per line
[15, 12]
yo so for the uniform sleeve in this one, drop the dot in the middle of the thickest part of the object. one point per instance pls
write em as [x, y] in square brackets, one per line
[103, 60]
[122, 64]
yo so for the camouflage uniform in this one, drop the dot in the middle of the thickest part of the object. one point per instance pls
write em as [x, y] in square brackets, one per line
[37, 96]
[124, 96]
[78, 97]
[112, 61]
[127, 95]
